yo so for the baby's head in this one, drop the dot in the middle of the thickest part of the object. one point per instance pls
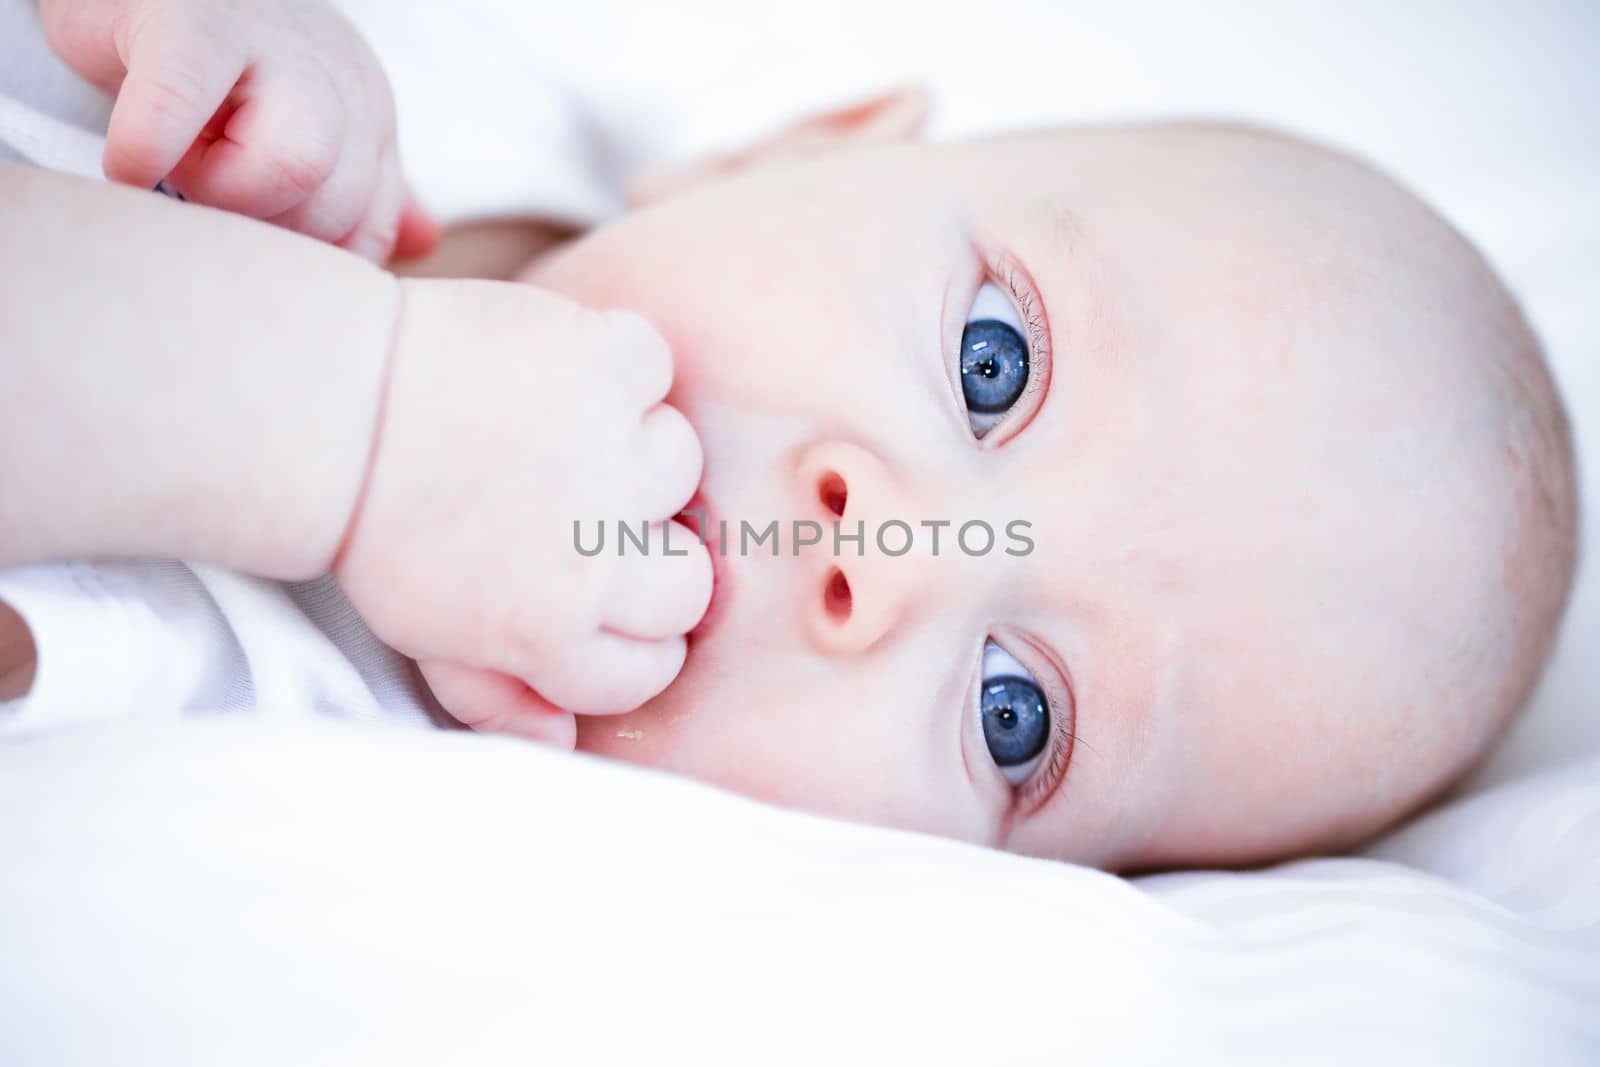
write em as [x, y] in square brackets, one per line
[1281, 494]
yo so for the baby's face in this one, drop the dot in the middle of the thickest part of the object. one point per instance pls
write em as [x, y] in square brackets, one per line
[1196, 636]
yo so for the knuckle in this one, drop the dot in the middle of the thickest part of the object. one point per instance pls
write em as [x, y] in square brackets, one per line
[525, 632]
[525, 652]
[171, 93]
[301, 170]
[332, 218]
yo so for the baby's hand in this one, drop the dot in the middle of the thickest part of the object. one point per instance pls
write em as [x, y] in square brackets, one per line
[274, 109]
[513, 413]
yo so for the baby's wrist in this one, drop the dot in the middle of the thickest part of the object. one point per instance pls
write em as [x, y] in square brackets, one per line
[304, 489]
[352, 506]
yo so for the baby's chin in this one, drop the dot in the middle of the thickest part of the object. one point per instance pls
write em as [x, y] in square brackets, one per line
[636, 737]
[610, 736]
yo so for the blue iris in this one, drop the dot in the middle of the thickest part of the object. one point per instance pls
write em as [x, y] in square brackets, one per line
[1016, 720]
[994, 366]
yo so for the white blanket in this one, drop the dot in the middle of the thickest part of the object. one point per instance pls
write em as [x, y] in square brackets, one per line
[242, 893]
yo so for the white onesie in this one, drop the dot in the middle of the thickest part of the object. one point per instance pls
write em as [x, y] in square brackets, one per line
[482, 134]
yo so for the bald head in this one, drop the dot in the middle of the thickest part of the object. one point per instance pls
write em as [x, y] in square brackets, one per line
[1503, 499]
[1409, 486]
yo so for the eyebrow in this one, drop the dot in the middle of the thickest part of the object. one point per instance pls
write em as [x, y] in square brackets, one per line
[1057, 262]
[1071, 255]
[1050, 267]
[1065, 231]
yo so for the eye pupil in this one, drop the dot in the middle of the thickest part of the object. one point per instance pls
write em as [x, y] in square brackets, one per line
[994, 366]
[1016, 720]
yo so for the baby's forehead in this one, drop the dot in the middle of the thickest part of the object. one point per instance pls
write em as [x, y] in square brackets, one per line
[1248, 177]
[1279, 369]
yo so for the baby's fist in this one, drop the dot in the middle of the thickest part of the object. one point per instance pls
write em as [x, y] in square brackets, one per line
[512, 415]
[274, 109]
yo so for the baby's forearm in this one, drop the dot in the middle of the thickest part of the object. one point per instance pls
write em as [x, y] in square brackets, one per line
[176, 381]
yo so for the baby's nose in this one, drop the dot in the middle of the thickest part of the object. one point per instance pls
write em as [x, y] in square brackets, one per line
[870, 573]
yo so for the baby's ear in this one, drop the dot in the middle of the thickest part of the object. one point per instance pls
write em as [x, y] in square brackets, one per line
[896, 115]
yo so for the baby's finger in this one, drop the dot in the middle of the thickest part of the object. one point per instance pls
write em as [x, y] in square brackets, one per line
[608, 674]
[419, 231]
[332, 212]
[496, 703]
[670, 462]
[178, 76]
[660, 595]
[638, 356]
[374, 238]
[276, 149]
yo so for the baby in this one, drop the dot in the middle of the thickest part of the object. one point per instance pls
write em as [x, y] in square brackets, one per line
[1144, 497]
[1300, 491]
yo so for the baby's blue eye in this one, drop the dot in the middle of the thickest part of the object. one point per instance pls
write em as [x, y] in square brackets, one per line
[994, 366]
[1014, 714]
[994, 358]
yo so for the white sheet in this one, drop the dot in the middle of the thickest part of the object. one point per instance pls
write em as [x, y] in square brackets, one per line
[242, 893]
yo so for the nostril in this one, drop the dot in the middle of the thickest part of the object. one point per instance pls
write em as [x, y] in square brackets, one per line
[836, 596]
[833, 493]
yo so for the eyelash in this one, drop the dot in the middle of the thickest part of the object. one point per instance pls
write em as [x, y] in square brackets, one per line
[1063, 736]
[1003, 270]
[1062, 740]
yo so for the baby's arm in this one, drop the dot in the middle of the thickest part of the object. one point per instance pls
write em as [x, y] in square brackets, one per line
[178, 381]
[182, 382]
